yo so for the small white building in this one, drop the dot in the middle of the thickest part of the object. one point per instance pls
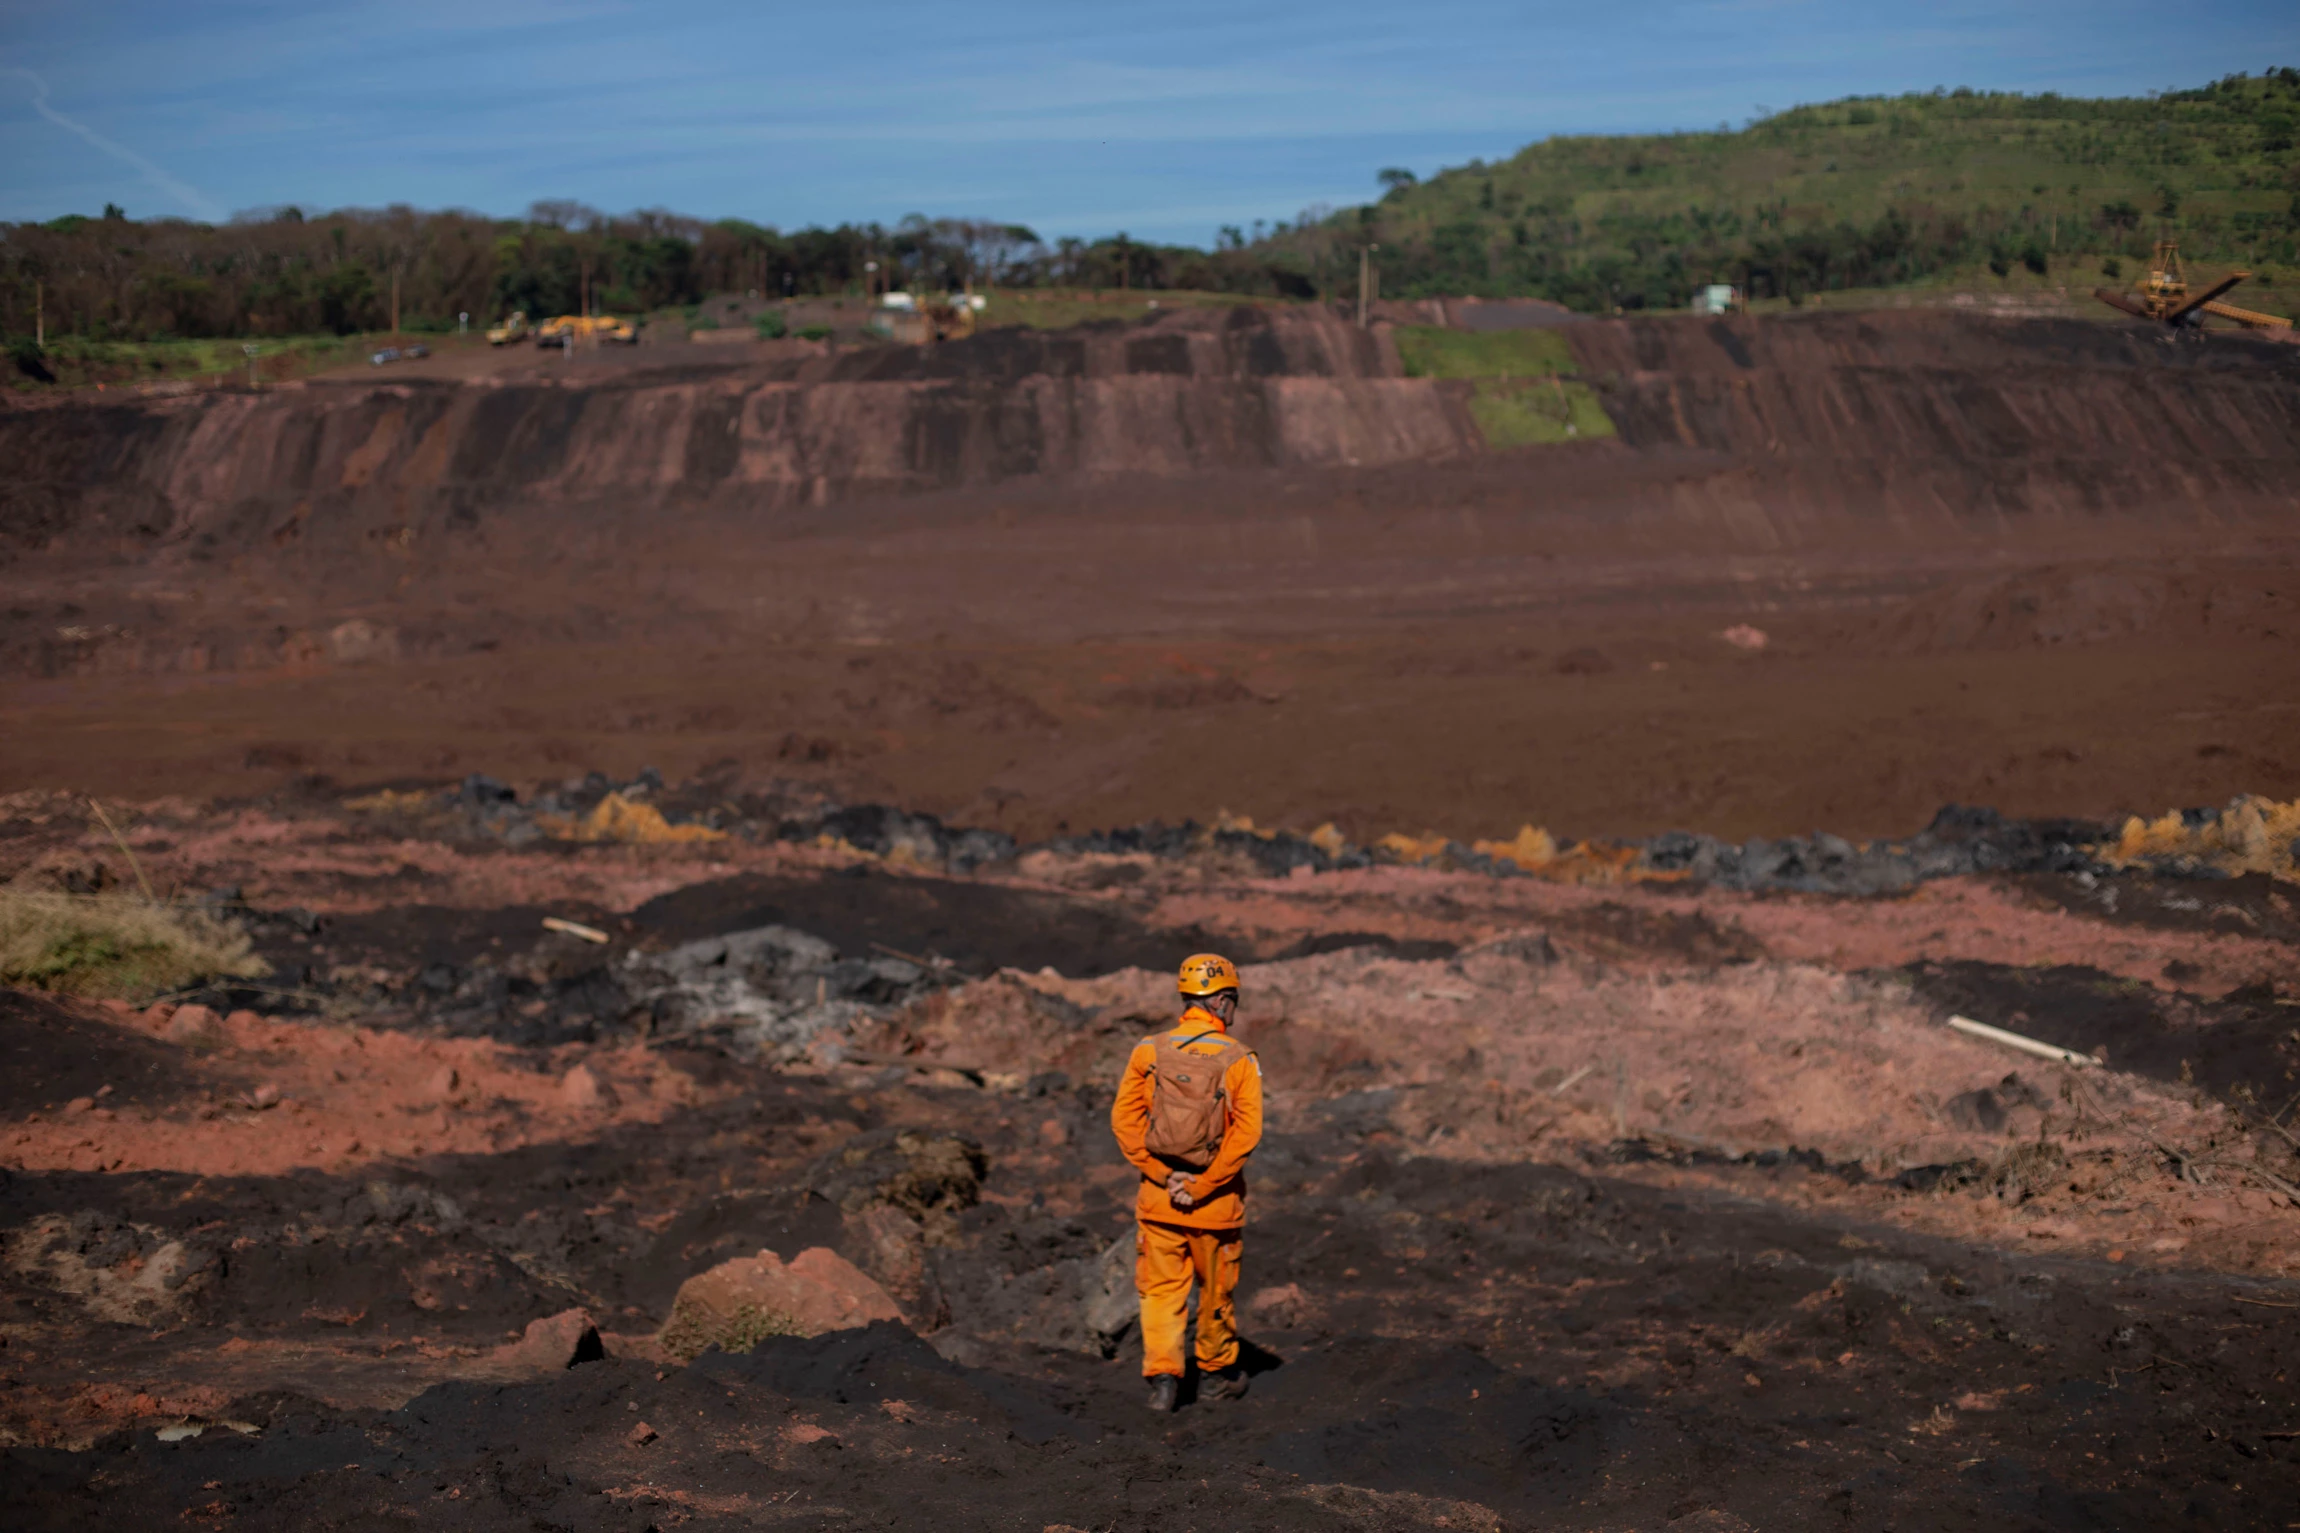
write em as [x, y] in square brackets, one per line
[1716, 298]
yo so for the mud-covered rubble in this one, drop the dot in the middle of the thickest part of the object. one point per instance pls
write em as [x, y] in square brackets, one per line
[1959, 841]
[598, 808]
[1478, 1298]
[769, 993]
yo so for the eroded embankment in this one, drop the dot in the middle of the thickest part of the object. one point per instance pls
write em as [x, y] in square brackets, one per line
[1776, 426]
[1189, 393]
[1934, 416]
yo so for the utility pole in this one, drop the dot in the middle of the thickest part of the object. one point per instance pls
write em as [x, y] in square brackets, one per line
[39, 315]
[1365, 282]
[395, 305]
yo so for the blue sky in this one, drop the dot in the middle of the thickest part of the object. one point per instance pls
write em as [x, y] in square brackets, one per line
[1164, 121]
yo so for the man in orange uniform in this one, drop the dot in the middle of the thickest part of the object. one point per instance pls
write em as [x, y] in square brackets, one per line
[1189, 1112]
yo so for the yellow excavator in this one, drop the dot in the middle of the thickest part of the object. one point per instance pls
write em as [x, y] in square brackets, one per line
[512, 329]
[2165, 298]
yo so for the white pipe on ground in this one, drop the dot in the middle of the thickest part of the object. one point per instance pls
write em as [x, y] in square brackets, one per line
[2052, 1051]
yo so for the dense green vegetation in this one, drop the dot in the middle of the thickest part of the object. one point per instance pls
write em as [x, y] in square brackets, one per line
[1523, 393]
[1860, 193]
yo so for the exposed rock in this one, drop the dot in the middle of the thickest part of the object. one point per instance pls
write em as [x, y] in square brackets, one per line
[194, 1027]
[737, 1304]
[892, 1247]
[582, 1089]
[1110, 1305]
[556, 1342]
[766, 993]
[131, 1274]
[1284, 1306]
[920, 1173]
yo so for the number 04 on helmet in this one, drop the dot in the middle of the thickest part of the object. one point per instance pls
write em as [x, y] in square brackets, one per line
[1207, 974]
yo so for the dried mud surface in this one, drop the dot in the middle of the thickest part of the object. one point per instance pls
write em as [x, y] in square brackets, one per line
[2040, 565]
[1607, 1208]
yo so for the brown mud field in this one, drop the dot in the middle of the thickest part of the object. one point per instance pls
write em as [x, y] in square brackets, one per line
[1630, 1184]
[1214, 562]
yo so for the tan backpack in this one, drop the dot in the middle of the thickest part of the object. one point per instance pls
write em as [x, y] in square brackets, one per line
[1189, 1110]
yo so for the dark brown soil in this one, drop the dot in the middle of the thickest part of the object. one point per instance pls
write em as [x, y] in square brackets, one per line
[2247, 1040]
[1566, 1350]
[51, 1054]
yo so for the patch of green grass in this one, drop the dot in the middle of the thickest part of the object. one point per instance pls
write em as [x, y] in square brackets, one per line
[1522, 396]
[1430, 352]
[115, 945]
[1537, 413]
[79, 362]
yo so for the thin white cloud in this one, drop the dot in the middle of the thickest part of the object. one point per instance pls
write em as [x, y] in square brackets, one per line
[190, 196]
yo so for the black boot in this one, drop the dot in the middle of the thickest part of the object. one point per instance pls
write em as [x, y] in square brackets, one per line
[1165, 1393]
[1224, 1383]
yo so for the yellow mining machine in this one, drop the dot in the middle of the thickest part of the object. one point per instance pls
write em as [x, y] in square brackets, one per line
[2164, 297]
[581, 329]
[512, 329]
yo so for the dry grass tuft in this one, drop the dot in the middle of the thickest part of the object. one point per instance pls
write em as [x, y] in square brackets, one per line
[115, 945]
[693, 1330]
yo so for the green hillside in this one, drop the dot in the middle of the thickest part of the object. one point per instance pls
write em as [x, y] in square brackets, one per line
[1865, 192]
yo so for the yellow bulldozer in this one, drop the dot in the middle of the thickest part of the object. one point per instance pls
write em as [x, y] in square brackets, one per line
[2165, 298]
[579, 329]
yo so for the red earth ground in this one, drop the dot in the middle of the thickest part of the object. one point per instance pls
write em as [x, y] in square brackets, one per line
[1598, 1207]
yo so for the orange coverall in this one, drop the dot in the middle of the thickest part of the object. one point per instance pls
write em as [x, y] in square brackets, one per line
[1204, 1241]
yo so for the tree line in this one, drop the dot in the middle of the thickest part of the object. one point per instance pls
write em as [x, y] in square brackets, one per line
[1596, 224]
[285, 272]
[1641, 222]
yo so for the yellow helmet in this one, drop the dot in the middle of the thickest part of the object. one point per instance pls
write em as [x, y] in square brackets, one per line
[1208, 974]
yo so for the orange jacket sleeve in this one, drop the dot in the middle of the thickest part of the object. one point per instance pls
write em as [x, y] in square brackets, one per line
[1130, 1113]
[1243, 1084]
